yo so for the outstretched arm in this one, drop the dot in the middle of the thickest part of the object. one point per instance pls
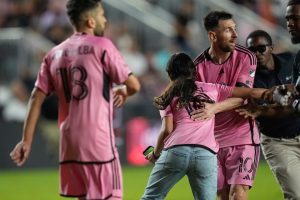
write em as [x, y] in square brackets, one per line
[22, 150]
[272, 111]
[254, 93]
[211, 109]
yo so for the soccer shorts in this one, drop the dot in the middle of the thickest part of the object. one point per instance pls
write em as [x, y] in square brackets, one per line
[237, 165]
[91, 180]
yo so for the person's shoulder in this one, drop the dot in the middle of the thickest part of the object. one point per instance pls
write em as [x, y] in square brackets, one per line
[285, 55]
[201, 57]
[53, 51]
[245, 53]
[241, 50]
[103, 41]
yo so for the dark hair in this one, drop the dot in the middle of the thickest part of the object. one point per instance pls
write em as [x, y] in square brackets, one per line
[212, 19]
[260, 33]
[75, 8]
[293, 2]
[181, 70]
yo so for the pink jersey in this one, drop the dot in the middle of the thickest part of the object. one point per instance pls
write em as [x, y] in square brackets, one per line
[186, 131]
[238, 70]
[81, 71]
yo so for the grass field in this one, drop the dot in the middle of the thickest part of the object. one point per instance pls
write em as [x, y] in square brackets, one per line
[43, 185]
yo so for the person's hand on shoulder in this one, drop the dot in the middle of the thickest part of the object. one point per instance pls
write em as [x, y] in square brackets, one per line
[205, 113]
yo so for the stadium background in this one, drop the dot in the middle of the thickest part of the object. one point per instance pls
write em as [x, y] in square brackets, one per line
[147, 32]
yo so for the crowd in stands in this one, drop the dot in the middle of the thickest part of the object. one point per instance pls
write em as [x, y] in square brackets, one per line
[48, 18]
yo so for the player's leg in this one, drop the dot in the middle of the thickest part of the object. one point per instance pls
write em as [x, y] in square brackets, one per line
[238, 192]
[167, 171]
[241, 164]
[202, 174]
[282, 156]
[223, 194]
[223, 187]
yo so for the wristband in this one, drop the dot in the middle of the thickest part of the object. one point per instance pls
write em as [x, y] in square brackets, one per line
[156, 157]
[295, 105]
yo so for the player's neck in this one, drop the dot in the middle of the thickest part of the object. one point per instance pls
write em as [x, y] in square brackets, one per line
[217, 55]
[85, 30]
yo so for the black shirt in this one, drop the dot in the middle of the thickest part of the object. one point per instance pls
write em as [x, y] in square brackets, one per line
[296, 67]
[288, 127]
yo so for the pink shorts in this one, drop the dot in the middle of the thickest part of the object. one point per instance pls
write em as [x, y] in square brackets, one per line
[237, 165]
[91, 180]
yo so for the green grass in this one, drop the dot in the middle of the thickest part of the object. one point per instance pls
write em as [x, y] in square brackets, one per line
[43, 185]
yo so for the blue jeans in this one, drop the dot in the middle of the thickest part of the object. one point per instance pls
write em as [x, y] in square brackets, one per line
[199, 164]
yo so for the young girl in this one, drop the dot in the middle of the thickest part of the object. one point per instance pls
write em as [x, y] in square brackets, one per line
[185, 146]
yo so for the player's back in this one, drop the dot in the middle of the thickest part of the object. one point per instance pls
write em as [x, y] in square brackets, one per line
[82, 70]
[187, 131]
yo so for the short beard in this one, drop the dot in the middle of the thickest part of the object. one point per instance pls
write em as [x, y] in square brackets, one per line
[226, 49]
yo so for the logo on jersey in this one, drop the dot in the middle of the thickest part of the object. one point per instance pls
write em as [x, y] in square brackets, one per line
[252, 73]
[248, 83]
[288, 78]
[58, 54]
[247, 166]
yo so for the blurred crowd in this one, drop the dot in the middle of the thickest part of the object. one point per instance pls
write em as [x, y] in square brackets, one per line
[48, 18]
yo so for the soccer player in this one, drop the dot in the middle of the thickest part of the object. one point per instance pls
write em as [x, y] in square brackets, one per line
[184, 146]
[229, 64]
[81, 71]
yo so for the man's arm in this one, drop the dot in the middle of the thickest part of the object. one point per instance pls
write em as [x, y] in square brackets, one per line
[22, 150]
[131, 86]
[250, 93]
[210, 110]
[238, 96]
[272, 111]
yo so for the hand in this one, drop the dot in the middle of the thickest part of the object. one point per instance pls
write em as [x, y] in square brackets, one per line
[249, 110]
[205, 113]
[20, 153]
[282, 96]
[268, 94]
[120, 96]
[151, 157]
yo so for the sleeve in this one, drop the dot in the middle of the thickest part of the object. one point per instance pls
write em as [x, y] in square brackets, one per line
[43, 81]
[166, 112]
[259, 84]
[224, 92]
[247, 73]
[114, 64]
